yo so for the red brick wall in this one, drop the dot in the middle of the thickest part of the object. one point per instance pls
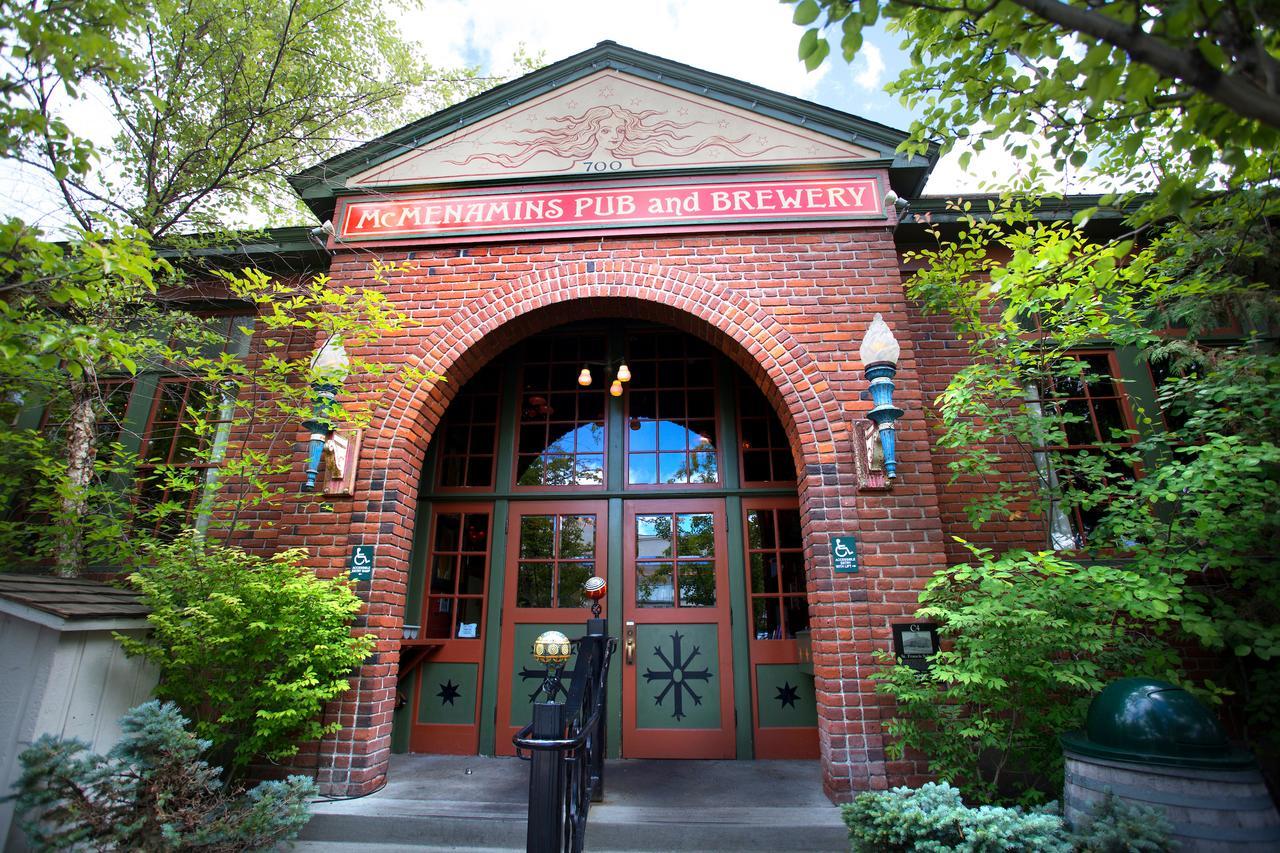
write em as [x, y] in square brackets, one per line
[790, 308]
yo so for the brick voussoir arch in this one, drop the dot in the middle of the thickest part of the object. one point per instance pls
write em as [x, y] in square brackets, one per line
[794, 377]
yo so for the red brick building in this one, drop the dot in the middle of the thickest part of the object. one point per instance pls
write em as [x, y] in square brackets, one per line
[730, 246]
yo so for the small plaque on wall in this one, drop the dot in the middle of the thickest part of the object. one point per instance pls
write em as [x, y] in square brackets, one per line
[360, 563]
[844, 554]
[915, 642]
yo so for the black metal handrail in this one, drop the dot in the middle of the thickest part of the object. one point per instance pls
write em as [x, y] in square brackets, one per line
[566, 743]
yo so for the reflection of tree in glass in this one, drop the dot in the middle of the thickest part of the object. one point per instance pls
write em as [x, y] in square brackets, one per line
[696, 535]
[700, 466]
[653, 585]
[561, 469]
[537, 536]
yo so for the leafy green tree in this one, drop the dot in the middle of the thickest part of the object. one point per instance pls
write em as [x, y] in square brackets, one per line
[216, 104]
[1175, 107]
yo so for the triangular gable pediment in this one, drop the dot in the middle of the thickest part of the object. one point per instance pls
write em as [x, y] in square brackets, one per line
[609, 123]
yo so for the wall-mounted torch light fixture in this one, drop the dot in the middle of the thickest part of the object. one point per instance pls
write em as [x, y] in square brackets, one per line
[329, 370]
[874, 438]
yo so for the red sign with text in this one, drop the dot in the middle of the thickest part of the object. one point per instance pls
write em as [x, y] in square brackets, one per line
[780, 200]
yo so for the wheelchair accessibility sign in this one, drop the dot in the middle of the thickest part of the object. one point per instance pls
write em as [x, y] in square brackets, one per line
[844, 553]
[360, 563]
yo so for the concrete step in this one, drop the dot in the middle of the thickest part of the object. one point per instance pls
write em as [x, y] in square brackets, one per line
[445, 803]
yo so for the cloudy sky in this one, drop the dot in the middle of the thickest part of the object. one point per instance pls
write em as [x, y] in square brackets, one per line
[753, 40]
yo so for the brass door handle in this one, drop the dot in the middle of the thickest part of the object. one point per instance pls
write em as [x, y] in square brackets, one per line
[629, 644]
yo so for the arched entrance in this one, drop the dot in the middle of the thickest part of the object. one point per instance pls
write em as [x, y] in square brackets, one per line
[681, 491]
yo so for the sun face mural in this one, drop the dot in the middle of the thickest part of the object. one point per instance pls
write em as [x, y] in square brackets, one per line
[607, 123]
[610, 137]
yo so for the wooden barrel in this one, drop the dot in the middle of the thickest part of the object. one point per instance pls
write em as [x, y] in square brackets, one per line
[1211, 810]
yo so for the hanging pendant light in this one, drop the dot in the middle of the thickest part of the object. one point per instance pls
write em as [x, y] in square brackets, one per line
[616, 388]
[624, 373]
[584, 378]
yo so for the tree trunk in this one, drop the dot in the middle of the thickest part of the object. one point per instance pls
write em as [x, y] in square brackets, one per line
[81, 452]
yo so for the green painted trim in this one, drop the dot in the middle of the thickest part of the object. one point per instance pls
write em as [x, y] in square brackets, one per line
[615, 453]
[402, 720]
[739, 616]
[508, 408]
[508, 424]
[141, 402]
[417, 582]
[613, 611]
[493, 629]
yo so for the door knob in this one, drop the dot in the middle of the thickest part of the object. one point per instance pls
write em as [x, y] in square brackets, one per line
[629, 643]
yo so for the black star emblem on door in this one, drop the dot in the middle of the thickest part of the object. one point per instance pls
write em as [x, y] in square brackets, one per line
[677, 675]
[448, 692]
[787, 695]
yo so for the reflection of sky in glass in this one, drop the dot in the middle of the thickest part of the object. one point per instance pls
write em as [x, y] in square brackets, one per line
[653, 536]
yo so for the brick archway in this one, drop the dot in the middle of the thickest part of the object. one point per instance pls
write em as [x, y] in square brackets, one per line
[464, 340]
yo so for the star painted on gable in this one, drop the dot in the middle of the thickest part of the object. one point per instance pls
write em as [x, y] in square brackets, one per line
[723, 123]
[682, 112]
[448, 692]
[573, 105]
[635, 102]
[606, 92]
[787, 695]
[763, 140]
[812, 149]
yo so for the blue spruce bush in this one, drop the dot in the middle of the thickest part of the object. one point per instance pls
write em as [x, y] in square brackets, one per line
[152, 792]
[934, 819]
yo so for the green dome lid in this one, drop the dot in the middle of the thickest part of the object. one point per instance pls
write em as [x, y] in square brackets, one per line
[1154, 722]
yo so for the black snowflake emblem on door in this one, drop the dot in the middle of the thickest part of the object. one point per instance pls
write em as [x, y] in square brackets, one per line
[678, 675]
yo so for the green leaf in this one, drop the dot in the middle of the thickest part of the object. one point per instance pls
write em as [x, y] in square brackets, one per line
[806, 12]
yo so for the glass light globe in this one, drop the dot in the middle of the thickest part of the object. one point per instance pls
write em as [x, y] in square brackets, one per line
[331, 362]
[879, 344]
[584, 378]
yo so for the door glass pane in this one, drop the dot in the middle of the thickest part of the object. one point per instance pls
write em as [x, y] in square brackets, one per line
[572, 577]
[697, 534]
[471, 581]
[764, 573]
[537, 534]
[442, 576]
[764, 620]
[697, 584]
[797, 608]
[792, 571]
[469, 609]
[653, 585]
[577, 536]
[448, 527]
[533, 588]
[653, 536]
[439, 618]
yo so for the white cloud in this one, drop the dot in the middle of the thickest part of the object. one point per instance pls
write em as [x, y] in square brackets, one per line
[752, 40]
[870, 67]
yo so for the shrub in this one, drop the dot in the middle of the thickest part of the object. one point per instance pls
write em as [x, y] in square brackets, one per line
[152, 792]
[933, 819]
[250, 648]
[1114, 826]
[1031, 638]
